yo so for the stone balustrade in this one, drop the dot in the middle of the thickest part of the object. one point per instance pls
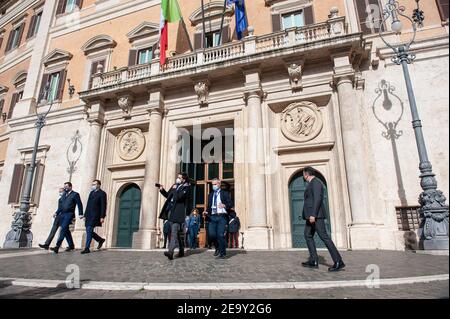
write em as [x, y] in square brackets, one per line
[249, 46]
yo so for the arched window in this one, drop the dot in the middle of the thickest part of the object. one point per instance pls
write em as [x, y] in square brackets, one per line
[144, 41]
[213, 12]
[98, 51]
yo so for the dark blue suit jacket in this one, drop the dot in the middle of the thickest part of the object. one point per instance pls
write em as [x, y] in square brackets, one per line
[70, 201]
[95, 208]
[60, 202]
[225, 198]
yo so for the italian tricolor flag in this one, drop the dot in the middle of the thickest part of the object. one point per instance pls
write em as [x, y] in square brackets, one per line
[170, 12]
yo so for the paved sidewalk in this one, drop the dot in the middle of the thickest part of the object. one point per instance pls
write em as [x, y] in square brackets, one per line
[201, 266]
[435, 290]
[257, 274]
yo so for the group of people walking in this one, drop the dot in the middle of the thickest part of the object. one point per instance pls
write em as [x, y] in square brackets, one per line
[180, 225]
[219, 211]
[94, 216]
[223, 221]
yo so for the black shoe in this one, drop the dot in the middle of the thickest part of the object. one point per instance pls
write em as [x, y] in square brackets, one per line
[217, 253]
[181, 254]
[70, 249]
[168, 255]
[310, 264]
[222, 257]
[44, 246]
[55, 249]
[85, 251]
[100, 243]
[337, 266]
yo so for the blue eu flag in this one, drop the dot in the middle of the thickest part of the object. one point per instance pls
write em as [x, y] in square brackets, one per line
[241, 17]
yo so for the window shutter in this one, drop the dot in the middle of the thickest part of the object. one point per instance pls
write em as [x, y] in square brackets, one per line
[2, 103]
[19, 40]
[14, 100]
[61, 6]
[225, 35]
[79, 4]
[198, 41]
[361, 7]
[16, 184]
[61, 84]
[94, 68]
[309, 15]
[443, 6]
[276, 22]
[9, 43]
[43, 84]
[154, 48]
[37, 186]
[30, 32]
[132, 58]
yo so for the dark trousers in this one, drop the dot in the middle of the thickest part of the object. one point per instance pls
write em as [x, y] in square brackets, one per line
[177, 235]
[166, 238]
[66, 220]
[193, 232]
[91, 234]
[234, 240]
[218, 231]
[320, 228]
[55, 226]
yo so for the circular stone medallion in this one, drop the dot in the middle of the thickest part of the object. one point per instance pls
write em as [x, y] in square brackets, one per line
[301, 122]
[131, 144]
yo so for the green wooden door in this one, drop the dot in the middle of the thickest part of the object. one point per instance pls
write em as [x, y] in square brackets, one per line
[129, 209]
[296, 197]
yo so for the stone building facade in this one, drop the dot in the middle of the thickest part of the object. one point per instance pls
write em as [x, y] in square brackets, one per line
[311, 83]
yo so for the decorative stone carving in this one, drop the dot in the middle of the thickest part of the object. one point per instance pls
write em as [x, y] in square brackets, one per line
[131, 144]
[202, 90]
[125, 102]
[295, 76]
[301, 122]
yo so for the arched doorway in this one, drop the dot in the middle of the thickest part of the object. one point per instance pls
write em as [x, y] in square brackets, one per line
[129, 210]
[297, 188]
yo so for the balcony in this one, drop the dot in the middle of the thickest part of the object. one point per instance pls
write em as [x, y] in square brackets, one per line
[311, 39]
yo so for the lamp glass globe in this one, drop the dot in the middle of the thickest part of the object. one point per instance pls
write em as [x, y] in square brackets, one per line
[397, 26]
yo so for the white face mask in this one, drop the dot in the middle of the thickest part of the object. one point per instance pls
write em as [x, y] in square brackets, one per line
[178, 181]
[94, 188]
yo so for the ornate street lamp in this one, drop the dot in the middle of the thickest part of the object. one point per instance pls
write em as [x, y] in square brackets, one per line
[20, 235]
[433, 209]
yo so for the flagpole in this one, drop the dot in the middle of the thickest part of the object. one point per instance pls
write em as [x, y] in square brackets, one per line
[183, 24]
[204, 27]
[221, 23]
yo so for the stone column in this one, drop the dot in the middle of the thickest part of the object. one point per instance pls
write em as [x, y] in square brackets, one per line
[257, 234]
[96, 122]
[27, 104]
[363, 231]
[146, 237]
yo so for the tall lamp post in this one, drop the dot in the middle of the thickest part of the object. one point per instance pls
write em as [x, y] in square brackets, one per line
[20, 235]
[433, 209]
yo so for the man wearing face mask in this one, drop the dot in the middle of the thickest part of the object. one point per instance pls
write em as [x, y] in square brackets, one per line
[70, 200]
[314, 214]
[56, 222]
[94, 215]
[219, 207]
[175, 210]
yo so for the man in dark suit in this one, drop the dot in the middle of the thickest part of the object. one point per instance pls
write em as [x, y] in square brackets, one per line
[56, 222]
[314, 214]
[94, 215]
[175, 210]
[218, 210]
[70, 200]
